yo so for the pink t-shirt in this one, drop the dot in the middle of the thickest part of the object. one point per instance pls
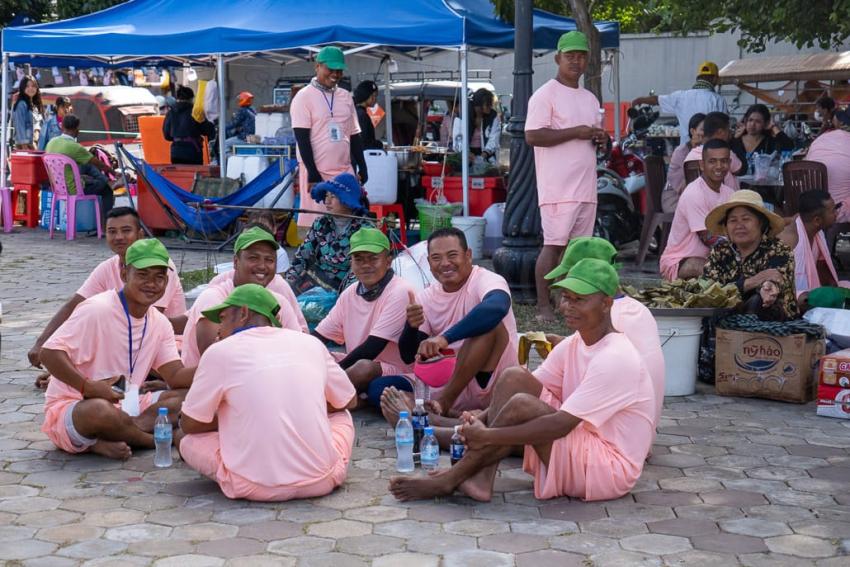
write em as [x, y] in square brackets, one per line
[607, 386]
[833, 150]
[633, 319]
[279, 286]
[107, 276]
[697, 200]
[566, 172]
[95, 339]
[211, 297]
[731, 181]
[311, 108]
[444, 309]
[270, 389]
[353, 319]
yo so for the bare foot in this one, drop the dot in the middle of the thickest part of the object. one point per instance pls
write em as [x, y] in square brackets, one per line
[42, 380]
[406, 488]
[394, 401]
[112, 449]
[480, 486]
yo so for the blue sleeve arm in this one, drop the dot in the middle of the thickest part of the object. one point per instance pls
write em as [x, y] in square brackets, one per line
[483, 318]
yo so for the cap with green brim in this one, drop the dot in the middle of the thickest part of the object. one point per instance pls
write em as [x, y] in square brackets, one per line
[251, 236]
[147, 253]
[581, 248]
[255, 297]
[369, 240]
[591, 276]
[333, 57]
[573, 41]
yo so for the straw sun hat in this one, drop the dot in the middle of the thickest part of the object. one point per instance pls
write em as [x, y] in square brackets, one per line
[714, 222]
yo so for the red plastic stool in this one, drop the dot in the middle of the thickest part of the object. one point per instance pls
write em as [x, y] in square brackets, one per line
[385, 210]
[30, 217]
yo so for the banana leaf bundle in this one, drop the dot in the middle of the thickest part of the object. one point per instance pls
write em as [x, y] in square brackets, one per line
[698, 293]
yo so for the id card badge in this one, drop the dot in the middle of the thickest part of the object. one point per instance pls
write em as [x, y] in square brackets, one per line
[335, 132]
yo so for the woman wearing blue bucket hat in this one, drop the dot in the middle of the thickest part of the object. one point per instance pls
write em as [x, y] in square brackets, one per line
[322, 259]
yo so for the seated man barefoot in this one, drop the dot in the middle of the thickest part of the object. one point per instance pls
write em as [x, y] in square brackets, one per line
[690, 242]
[266, 415]
[254, 261]
[629, 316]
[585, 416]
[112, 335]
[468, 310]
[368, 317]
[122, 229]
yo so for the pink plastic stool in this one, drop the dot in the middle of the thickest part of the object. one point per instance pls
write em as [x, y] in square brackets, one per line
[55, 165]
[6, 205]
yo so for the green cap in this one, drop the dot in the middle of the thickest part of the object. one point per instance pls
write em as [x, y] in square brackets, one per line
[830, 297]
[573, 41]
[146, 253]
[581, 248]
[332, 56]
[255, 297]
[253, 235]
[590, 276]
[369, 240]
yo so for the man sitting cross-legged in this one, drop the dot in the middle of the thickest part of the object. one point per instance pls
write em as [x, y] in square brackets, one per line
[368, 318]
[468, 310]
[266, 415]
[114, 334]
[585, 416]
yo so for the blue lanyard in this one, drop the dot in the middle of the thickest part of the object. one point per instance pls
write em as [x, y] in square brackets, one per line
[329, 103]
[240, 329]
[132, 364]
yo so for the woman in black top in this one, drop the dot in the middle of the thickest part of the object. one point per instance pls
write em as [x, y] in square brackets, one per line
[756, 134]
[184, 132]
[365, 96]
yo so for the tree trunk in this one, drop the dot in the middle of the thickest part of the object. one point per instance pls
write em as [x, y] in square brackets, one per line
[584, 21]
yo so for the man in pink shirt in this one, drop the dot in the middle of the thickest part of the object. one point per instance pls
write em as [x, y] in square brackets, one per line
[122, 229]
[585, 416]
[690, 242]
[833, 150]
[564, 126]
[369, 317]
[254, 261]
[716, 127]
[113, 338]
[326, 129]
[266, 415]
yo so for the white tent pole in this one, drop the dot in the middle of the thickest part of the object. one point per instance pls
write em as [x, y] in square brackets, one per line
[615, 69]
[464, 125]
[4, 130]
[222, 116]
[388, 102]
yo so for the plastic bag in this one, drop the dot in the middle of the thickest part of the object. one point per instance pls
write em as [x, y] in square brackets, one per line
[316, 303]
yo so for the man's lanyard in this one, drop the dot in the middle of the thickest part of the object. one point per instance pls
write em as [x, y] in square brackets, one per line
[330, 102]
[240, 329]
[132, 362]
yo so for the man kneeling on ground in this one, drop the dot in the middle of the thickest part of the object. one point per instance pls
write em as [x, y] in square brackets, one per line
[114, 335]
[368, 318]
[468, 310]
[266, 415]
[585, 416]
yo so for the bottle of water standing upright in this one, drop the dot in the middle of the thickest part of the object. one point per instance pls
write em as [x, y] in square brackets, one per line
[162, 439]
[419, 421]
[404, 443]
[457, 447]
[429, 455]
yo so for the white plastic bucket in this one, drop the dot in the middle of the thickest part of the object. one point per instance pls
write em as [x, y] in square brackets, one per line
[680, 338]
[494, 215]
[473, 228]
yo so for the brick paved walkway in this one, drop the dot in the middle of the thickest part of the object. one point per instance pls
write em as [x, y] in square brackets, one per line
[731, 482]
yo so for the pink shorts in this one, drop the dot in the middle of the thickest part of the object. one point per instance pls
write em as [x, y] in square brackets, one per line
[59, 426]
[473, 397]
[581, 465]
[565, 221]
[202, 452]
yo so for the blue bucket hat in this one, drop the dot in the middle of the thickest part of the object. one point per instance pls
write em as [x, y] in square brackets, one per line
[345, 186]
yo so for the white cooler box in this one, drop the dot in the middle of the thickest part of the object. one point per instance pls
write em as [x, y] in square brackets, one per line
[382, 185]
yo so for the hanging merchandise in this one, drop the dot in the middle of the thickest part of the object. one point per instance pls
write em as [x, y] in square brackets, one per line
[198, 106]
[84, 79]
[165, 83]
[191, 74]
[57, 76]
[211, 102]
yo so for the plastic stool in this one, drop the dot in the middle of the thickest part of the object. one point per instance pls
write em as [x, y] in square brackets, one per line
[6, 205]
[385, 210]
[31, 215]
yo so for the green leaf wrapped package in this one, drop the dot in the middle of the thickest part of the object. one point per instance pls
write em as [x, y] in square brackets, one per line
[700, 293]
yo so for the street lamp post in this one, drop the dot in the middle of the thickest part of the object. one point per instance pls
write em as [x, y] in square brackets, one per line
[515, 259]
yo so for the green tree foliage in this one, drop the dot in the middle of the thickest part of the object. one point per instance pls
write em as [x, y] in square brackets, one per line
[48, 10]
[72, 8]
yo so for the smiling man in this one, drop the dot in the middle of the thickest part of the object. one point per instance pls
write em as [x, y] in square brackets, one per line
[690, 242]
[585, 416]
[114, 335]
[326, 129]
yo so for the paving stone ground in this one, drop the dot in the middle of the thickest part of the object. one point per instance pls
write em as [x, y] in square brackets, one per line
[730, 482]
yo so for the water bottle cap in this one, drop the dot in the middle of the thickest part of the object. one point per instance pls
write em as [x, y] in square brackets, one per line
[163, 411]
[420, 402]
[403, 415]
[429, 430]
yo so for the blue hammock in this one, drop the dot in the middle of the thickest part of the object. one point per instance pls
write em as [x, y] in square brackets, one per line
[211, 220]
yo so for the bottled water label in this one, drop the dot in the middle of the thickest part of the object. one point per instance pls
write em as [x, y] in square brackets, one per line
[162, 433]
[457, 451]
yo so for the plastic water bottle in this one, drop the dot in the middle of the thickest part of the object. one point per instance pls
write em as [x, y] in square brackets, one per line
[162, 439]
[457, 448]
[420, 422]
[404, 443]
[600, 119]
[430, 456]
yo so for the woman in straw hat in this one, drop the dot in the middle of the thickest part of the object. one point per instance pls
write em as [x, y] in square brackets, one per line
[752, 258]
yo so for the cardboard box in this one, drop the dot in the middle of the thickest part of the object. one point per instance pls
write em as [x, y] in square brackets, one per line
[834, 385]
[757, 365]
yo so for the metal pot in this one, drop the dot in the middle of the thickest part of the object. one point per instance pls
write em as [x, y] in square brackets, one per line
[406, 156]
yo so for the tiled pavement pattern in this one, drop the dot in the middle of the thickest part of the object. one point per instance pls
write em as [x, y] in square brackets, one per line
[730, 482]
